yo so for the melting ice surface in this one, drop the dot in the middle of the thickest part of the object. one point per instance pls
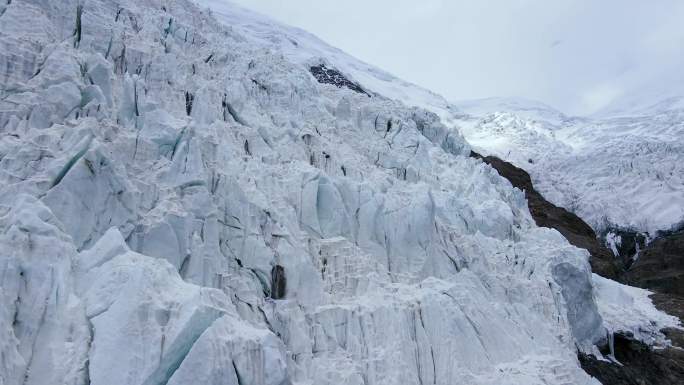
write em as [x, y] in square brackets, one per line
[181, 201]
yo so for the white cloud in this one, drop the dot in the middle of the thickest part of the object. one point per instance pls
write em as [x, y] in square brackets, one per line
[600, 97]
[562, 52]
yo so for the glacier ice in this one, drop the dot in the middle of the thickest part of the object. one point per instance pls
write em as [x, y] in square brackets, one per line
[615, 171]
[182, 201]
[629, 310]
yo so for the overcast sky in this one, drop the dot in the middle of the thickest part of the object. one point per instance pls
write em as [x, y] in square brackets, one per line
[577, 55]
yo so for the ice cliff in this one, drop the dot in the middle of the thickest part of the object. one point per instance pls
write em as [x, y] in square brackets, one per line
[182, 201]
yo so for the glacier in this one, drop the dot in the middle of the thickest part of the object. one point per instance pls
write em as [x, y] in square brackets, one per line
[182, 201]
[618, 170]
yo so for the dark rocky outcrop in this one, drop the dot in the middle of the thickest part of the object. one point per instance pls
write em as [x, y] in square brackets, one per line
[278, 282]
[640, 364]
[659, 267]
[673, 305]
[545, 214]
[631, 244]
[332, 76]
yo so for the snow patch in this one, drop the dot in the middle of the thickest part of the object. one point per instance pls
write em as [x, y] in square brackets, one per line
[629, 310]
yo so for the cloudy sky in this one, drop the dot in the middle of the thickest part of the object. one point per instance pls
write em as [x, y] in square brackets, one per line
[578, 55]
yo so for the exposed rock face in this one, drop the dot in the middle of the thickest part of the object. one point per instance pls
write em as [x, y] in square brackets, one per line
[545, 214]
[332, 76]
[278, 282]
[626, 245]
[660, 265]
[640, 365]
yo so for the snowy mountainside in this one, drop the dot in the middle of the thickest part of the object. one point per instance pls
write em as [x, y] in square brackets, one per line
[181, 201]
[304, 48]
[622, 171]
[642, 104]
[523, 108]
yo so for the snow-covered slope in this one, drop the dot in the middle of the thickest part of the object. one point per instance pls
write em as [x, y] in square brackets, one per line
[182, 202]
[301, 47]
[523, 108]
[614, 171]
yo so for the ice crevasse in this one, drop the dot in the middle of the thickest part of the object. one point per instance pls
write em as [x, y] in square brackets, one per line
[182, 201]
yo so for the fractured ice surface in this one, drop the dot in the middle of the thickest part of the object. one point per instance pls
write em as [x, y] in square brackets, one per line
[182, 201]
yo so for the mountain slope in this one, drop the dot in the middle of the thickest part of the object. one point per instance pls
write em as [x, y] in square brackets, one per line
[182, 201]
[638, 362]
[303, 48]
[616, 172]
[576, 231]
[533, 130]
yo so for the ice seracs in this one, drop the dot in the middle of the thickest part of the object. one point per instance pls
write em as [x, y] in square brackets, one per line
[191, 204]
[45, 333]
